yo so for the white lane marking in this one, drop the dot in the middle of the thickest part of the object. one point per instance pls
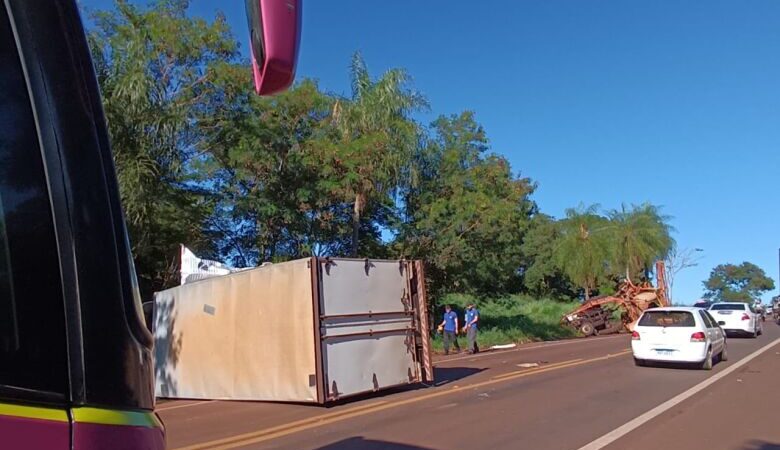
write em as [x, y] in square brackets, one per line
[543, 345]
[183, 406]
[630, 426]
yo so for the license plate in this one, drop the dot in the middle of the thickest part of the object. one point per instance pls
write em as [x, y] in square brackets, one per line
[664, 352]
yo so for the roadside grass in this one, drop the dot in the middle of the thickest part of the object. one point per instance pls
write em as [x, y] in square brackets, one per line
[514, 319]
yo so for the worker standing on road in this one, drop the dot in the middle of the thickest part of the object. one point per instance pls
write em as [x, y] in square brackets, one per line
[450, 327]
[472, 317]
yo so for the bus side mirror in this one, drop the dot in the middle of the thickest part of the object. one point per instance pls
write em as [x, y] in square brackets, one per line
[274, 37]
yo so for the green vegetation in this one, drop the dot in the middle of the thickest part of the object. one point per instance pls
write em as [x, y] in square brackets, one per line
[204, 162]
[467, 212]
[375, 128]
[582, 251]
[512, 319]
[737, 283]
[640, 236]
[159, 74]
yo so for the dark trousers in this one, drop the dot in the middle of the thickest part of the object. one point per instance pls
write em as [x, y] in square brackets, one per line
[450, 338]
[471, 337]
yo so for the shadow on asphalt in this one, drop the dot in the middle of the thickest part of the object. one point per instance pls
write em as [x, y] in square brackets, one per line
[361, 443]
[442, 376]
[680, 366]
[446, 375]
[760, 445]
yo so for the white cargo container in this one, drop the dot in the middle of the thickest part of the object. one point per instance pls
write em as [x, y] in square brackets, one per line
[311, 330]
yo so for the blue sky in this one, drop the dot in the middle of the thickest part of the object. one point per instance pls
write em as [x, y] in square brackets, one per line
[672, 102]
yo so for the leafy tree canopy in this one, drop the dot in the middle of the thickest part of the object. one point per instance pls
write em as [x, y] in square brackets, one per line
[204, 162]
[468, 212]
[737, 283]
[157, 70]
[583, 248]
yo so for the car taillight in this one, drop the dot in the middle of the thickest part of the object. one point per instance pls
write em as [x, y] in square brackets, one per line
[698, 337]
[635, 336]
[745, 317]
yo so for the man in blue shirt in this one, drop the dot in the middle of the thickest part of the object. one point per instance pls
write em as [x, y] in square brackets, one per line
[472, 317]
[450, 326]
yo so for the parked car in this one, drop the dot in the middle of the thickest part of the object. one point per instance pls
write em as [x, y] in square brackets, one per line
[678, 335]
[703, 304]
[737, 318]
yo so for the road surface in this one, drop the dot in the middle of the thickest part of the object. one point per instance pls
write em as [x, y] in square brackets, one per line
[584, 393]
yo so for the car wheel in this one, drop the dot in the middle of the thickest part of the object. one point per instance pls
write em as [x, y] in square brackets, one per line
[724, 354]
[707, 363]
[587, 329]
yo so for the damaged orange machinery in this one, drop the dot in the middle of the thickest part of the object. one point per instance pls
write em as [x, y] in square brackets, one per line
[595, 316]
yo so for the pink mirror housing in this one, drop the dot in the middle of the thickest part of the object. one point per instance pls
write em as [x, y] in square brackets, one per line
[275, 31]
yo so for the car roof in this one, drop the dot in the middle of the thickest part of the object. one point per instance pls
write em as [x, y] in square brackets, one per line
[675, 308]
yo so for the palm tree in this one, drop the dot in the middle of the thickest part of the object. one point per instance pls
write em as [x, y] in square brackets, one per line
[640, 235]
[583, 250]
[375, 123]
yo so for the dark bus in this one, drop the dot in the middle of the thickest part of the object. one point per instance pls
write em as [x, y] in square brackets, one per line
[76, 369]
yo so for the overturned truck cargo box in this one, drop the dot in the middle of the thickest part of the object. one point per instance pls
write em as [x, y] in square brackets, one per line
[311, 330]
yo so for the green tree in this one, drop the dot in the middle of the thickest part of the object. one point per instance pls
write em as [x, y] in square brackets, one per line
[542, 276]
[271, 207]
[640, 235]
[467, 214]
[156, 68]
[583, 249]
[737, 283]
[373, 142]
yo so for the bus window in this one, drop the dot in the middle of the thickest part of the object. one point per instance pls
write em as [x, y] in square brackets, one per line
[32, 313]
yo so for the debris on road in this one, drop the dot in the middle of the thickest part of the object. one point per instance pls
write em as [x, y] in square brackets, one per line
[591, 318]
[528, 365]
[503, 346]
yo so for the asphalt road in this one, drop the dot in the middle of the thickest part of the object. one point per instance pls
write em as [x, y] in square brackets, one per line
[581, 391]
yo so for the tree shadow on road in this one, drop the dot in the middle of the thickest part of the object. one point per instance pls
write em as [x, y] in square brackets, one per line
[361, 443]
[761, 445]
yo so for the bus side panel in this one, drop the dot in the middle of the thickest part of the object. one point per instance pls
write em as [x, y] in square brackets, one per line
[92, 436]
[24, 432]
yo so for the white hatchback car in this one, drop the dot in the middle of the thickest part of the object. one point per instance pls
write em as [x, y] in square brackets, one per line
[678, 335]
[737, 317]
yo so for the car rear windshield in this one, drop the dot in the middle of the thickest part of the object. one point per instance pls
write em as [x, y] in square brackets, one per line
[667, 319]
[728, 307]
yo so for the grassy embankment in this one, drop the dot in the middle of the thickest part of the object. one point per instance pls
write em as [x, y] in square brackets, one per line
[514, 319]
